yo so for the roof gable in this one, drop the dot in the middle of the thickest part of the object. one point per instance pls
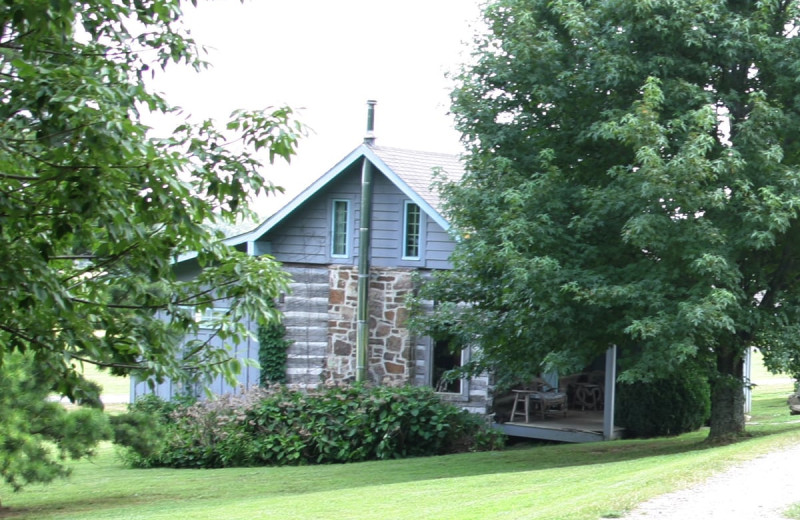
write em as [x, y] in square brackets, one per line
[410, 171]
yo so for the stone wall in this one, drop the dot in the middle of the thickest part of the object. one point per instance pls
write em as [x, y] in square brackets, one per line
[389, 353]
[320, 314]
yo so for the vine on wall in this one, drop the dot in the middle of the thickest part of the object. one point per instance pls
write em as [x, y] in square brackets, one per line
[272, 353]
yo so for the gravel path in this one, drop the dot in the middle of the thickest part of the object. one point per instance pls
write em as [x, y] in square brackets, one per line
[760, 489]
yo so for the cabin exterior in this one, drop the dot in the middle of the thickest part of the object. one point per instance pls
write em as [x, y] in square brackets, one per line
[316, 237]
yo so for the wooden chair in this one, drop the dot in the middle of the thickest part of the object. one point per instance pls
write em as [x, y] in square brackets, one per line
[538, 396]
[550, 402]
[589, 396]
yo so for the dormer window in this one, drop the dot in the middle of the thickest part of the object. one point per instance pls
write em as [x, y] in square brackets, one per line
[340, 229]
[412, 231]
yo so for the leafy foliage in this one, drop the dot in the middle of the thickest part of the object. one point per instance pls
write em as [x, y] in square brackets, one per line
[340, 424]
[668, 406]
[633, 179]
[94, 207]
[272, 353]
[37, 434]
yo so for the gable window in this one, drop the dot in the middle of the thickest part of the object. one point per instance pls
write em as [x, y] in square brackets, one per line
[340, 229]
[412, 231]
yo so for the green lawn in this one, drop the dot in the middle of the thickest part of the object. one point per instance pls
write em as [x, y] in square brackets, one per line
[111, 384]
[586, 481]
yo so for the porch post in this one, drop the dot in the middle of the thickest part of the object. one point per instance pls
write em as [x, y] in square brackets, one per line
[610, 390]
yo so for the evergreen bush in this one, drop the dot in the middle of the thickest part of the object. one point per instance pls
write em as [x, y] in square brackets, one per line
[668, 406]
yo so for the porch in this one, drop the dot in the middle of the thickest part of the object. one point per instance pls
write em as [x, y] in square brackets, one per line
[581, 410]
[577, 426]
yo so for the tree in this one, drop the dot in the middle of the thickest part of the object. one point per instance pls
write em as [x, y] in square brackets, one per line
[94, 208]
[633, 180]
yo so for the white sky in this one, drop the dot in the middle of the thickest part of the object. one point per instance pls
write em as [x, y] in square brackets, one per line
[327, 57]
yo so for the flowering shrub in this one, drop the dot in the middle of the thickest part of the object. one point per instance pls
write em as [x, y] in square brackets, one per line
[278, 426]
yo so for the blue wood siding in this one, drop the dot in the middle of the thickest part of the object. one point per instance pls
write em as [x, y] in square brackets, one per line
[247, 378]
[305, 236]
[438, 246]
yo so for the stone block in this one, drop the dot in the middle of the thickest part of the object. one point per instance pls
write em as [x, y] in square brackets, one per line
[382, 330]
[336, 296]
[342, 348]
[395, 368]
[404, 283]
[394, 343]
[402, 316]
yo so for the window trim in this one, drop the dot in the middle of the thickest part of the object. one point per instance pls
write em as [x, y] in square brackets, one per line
[463, 394]
[420, 231]
[208, 319]
[347, 228]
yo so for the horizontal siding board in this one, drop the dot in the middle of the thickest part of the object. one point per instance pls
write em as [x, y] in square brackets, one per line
[308, 275]
[442, 247]
[433, 264]
[392, 234]
[304, 237]
[437, 256]
[384, 243]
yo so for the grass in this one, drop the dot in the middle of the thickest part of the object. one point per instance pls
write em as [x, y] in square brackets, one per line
[111, 384]
[117, 386]
[580, 482]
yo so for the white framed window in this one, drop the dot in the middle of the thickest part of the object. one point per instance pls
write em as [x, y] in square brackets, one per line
[340, 228]
[208, 318]
[445, 357]
[412, 231]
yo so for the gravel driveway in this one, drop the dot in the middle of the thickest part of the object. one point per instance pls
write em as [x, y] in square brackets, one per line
[760, 489]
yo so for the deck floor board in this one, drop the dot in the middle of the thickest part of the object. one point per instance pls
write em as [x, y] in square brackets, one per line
[577, 426]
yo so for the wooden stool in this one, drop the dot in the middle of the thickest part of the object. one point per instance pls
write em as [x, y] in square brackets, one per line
[523, 396]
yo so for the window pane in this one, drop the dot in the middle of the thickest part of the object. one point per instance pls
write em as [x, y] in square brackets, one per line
[412, 231]
[444, 360]
[339, 247]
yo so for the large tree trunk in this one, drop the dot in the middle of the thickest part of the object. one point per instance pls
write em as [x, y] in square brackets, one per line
[727, 397]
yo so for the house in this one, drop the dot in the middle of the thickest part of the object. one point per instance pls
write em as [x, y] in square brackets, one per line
[317, 238]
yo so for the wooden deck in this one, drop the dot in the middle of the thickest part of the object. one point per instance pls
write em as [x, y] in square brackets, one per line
[577, 426]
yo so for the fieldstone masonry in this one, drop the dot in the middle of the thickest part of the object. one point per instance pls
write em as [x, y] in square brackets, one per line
[389, 352]
[320, 315]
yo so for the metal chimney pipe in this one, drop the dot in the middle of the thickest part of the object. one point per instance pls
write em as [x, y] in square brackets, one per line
[369, 139]
[364, 242]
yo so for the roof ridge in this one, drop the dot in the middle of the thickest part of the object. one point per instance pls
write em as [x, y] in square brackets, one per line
[412, 150]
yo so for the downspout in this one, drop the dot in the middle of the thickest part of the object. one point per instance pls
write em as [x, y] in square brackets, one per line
[364, 232]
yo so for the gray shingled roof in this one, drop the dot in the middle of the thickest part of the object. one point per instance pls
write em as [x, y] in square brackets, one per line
[416, 169]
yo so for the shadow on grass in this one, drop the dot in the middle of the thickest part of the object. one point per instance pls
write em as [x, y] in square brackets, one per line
[175, 486]
[132, 488]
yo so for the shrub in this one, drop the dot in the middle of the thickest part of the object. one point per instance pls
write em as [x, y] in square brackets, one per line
[340, 424]
[669, 406]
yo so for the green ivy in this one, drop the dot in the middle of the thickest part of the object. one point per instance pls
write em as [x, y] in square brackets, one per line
[272, 353]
